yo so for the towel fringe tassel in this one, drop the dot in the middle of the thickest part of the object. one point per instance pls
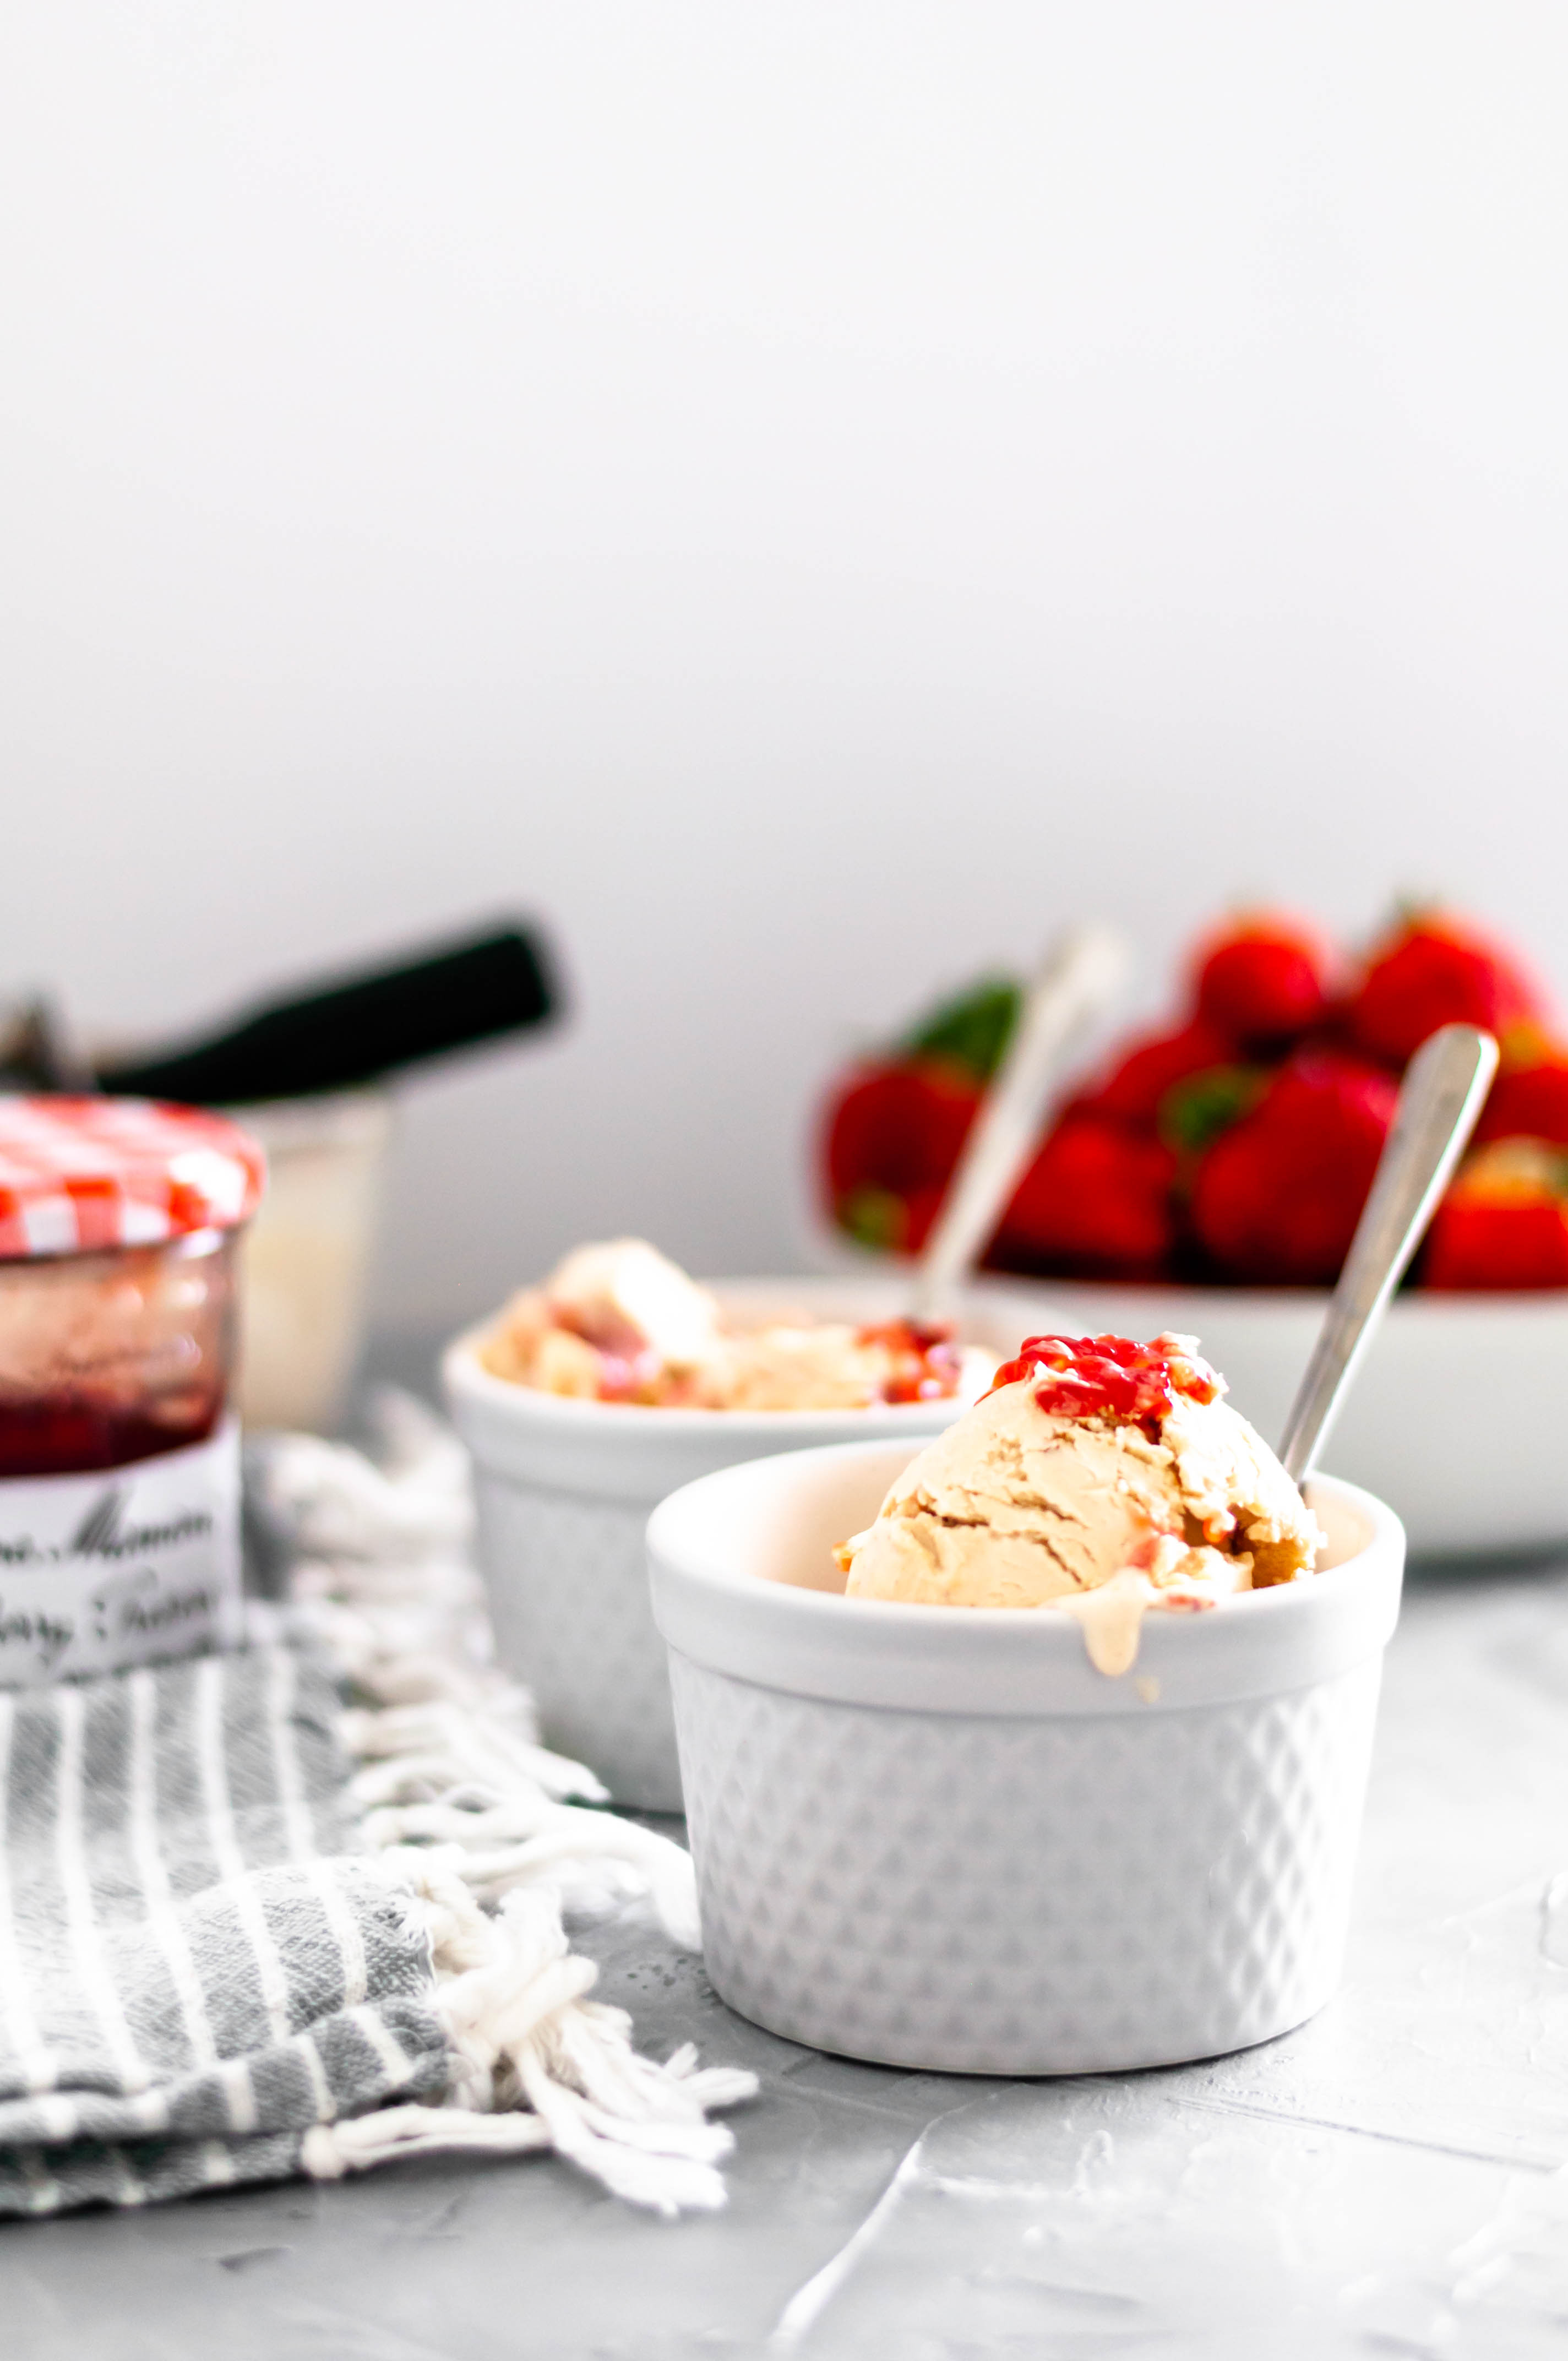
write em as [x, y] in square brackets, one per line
[467, 1809]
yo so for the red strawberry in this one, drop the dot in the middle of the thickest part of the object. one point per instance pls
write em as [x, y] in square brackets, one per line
[1435, 970]
[1277, 1198]
[1262, 983]
[893, 1133]
[1529, 1101]
[1503, 1224]
[1096, 1200]
[1133, 1090]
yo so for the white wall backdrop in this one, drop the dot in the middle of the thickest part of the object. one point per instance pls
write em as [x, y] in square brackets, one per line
[803, 496]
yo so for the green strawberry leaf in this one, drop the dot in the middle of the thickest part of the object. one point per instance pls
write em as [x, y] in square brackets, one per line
[972, 1029]
[1196, 1110]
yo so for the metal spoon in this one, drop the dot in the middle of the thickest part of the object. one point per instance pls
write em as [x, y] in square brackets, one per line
[1081, 974]
[1444, 1085]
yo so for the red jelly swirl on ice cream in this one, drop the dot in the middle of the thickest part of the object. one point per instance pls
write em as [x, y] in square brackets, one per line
[1112, 1377]
[925, 1362]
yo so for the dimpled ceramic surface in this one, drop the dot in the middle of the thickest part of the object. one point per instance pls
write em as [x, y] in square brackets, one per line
[1006, 1897]
[572, 1615]
[937, 1838]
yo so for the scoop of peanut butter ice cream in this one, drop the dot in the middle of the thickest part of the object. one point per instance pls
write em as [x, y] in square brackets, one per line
[620, 1322]
[1026, 1503]
[832, 1366]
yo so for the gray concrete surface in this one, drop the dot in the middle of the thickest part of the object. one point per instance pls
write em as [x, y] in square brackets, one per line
[1391, 2180]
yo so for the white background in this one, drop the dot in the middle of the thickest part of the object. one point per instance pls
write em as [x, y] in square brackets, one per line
[804, 496]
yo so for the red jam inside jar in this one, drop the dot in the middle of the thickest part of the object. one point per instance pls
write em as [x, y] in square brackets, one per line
[1112, 1377]
[109, 1358]
[119, 1221]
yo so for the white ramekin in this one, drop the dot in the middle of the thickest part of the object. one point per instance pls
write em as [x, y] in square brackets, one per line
[563, 1493]
[937, 1837]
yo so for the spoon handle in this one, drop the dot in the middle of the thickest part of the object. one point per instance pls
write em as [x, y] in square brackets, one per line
[1079, 977]
[1446, 1082]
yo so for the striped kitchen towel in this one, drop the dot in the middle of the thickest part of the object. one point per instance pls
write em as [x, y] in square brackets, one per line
[227, 1954]
[195, 1967]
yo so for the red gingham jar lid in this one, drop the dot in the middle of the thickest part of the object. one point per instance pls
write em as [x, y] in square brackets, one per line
[78, 1175]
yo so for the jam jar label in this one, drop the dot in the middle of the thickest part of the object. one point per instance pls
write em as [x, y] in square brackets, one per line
[122, 1566]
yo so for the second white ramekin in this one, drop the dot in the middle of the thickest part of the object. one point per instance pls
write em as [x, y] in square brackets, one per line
[937, 1837]
[563, 1493]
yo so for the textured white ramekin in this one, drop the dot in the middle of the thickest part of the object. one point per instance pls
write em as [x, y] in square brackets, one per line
[563, 1492]
[936, 1836]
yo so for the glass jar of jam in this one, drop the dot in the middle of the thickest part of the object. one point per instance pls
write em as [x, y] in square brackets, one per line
[119, 1460]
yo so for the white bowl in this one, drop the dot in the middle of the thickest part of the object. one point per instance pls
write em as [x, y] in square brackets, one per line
[563, 1492]
[1455, 1418]
[937, 1837]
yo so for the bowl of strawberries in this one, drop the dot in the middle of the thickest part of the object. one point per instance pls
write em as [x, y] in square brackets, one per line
[1208, 1178]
